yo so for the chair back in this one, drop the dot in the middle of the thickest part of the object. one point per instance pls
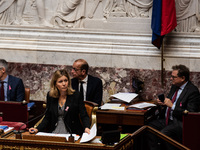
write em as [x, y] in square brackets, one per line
[91, 109]
[14, 111]
[27, 95]
[191, 132]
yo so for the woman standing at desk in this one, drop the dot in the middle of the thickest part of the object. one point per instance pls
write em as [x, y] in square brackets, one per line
[64, 106]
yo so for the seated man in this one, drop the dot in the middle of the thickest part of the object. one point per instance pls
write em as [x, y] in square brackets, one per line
[183, 96]
[11, 88]
[90, 86]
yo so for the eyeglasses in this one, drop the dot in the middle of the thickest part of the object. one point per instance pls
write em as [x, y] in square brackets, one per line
[173, 77]
[75, 69]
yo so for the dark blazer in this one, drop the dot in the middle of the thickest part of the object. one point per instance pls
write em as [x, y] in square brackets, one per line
[94, 90]
[15, 91]
[72, 122]
[188, 100]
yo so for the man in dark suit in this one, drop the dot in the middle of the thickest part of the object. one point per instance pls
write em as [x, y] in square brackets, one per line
[12, 88]
[92, 86]
[183, 97]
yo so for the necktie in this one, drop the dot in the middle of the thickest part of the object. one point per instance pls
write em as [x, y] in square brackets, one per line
[2, 92]
[169, 109]
[81, 90]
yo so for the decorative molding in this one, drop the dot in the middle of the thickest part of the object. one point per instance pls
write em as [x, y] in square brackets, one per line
[91, 42]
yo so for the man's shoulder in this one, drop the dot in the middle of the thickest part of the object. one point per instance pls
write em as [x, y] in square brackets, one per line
[93, 78]
[13, 78]
[190, 85]
[74, 80]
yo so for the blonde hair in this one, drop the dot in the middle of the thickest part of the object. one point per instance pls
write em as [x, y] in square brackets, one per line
[54, 92]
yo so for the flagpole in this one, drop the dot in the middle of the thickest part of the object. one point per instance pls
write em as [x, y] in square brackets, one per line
[162, 64]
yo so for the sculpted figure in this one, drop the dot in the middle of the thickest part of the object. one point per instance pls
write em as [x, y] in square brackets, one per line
[133, 8]
[7, 11]
[41, 13]
[138, 8]
[11, 12]
[70, 13]
[113, 6]
[187, 13]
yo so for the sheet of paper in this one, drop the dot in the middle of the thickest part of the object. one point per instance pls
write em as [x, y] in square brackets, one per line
[126, 97]
[117, 108]
[109, 106]
[8, 129]
[76, 137]
[142, 105]
[87, 137]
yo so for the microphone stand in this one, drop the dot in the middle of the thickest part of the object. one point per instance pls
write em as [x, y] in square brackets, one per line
[71, 137]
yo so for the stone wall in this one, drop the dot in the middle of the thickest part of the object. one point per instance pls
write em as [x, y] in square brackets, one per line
[37, 78]
[113, 36]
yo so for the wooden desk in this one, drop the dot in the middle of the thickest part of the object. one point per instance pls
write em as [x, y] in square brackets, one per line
[22, 144]
[126, 117]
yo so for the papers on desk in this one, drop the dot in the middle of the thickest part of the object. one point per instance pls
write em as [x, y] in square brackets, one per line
[76, 137]
[87, 137]
[112, 106]
[143, 105]
[4, 127]
[126, 97]
[8, 129]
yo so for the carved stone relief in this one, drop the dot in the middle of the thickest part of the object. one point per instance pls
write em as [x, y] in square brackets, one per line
[188, 17]
[127, 8]
[81, 13]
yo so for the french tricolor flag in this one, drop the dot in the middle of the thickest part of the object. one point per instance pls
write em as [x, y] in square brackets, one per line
[163, 20]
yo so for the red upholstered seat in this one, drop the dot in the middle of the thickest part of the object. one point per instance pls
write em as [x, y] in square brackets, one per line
[191, 132]
[16, 125]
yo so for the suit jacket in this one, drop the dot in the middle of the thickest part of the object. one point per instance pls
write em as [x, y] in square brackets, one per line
[74, 107]
[188, 100]
[15, 91]
[94, 90]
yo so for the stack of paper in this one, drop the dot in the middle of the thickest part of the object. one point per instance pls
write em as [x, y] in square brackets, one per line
[126, 97]
[112, 106]
[143, 105]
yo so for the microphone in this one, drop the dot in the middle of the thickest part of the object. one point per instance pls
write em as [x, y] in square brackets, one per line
[19, 131]
[71, 137]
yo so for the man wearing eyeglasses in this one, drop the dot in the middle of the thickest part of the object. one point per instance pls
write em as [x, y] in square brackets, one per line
[11, 88]
[183, 97]
[89, 86]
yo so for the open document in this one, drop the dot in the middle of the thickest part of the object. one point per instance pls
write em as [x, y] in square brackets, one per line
[142, 105]
[76, 137]
[87, 137]
[126, 97]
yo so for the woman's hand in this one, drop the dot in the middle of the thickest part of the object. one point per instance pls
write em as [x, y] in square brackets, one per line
[87, 130]
[33, 130]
